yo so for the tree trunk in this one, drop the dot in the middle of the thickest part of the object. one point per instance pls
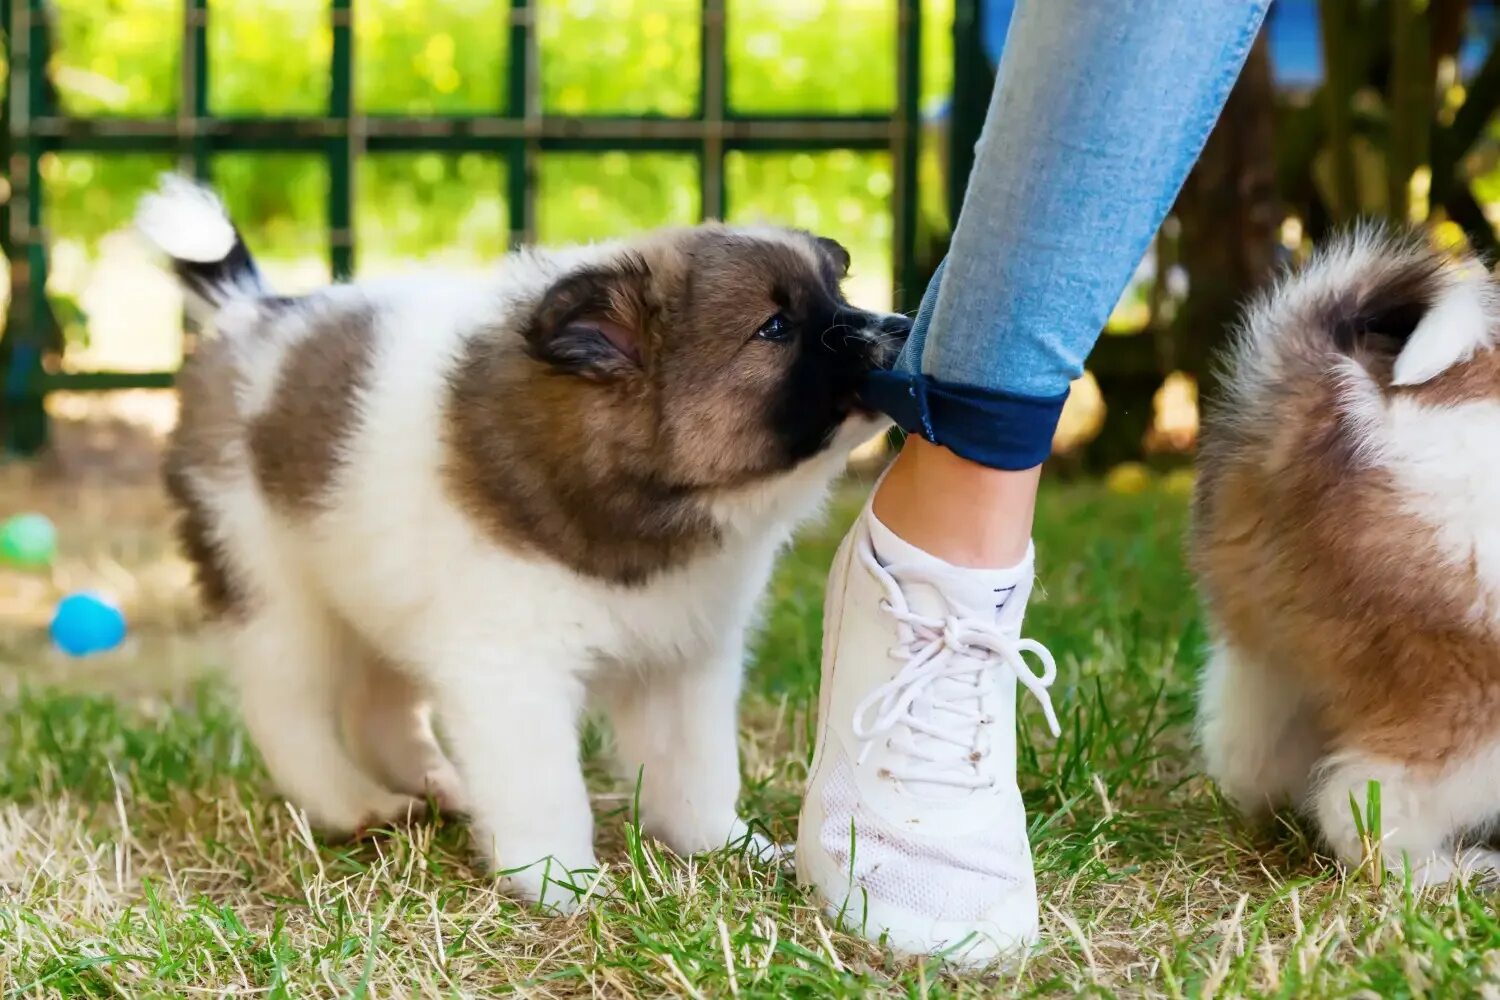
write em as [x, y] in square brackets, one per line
[1340, 24]
[1230, 219]
[1410, 102]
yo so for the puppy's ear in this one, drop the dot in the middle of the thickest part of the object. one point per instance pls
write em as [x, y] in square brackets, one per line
[593, 322]
[836, 253]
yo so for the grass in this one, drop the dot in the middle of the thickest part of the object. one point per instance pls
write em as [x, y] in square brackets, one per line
[142, 854]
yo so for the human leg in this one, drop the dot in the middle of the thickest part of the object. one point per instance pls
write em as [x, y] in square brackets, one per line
[1099, 112]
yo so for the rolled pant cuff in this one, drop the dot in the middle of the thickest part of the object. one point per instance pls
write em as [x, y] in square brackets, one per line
[1001, 430]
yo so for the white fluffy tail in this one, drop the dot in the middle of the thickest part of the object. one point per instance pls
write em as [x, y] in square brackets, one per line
[1454, 329]
[188, 223]
[1371, 296]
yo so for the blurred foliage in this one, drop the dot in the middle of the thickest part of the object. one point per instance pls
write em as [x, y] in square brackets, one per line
[429, 57]
[268, 57]
[117, 57]
[621, 57]
[595, 196]
[94, 193]
[401, 200]
[290, 215]
[842, 194]
[812, 55]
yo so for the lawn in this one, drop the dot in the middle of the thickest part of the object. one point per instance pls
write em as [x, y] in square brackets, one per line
[141, 852]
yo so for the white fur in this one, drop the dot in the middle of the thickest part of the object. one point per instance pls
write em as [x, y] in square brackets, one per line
[508, 646]
[1457, 325]
[186, 220]
[1425, 817]
[1257, 732]
[1439, 458]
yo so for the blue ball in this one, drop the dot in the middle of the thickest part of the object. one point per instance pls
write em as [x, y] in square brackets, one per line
[87, 623]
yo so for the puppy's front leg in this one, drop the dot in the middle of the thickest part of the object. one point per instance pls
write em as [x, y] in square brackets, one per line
[677, 728]
[512, 720]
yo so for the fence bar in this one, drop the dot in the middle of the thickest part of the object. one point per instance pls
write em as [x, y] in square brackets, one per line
[905, 142]
[305, 132]
[520, 159]
[713, 72]
[343, 147]
[27, 338]
[192, 99]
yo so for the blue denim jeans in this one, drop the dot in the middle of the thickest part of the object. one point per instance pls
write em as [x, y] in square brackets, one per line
[1099, 112]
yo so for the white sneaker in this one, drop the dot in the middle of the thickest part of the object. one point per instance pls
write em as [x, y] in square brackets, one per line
[913, 827]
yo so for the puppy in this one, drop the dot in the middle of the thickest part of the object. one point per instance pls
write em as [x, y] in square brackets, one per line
[484, 500]
[1347, 541]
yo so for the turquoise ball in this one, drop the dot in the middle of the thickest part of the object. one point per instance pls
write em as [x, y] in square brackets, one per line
[87, 623]
[28, 541]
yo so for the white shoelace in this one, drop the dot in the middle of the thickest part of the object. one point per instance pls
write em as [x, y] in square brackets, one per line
[937, 695]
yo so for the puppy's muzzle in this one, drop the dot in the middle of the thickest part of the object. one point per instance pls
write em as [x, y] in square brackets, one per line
[887, 337]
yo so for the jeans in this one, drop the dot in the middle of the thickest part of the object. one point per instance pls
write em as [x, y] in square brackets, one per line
[1100, 110]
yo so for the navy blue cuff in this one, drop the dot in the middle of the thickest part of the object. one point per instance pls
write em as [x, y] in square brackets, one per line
[997, 429]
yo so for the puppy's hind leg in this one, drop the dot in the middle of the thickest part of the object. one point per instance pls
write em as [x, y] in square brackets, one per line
[1260, 741]
[288, 662]
[1420, 818]
[388, 725]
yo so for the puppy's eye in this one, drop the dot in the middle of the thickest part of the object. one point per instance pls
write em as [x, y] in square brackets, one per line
[777, 328]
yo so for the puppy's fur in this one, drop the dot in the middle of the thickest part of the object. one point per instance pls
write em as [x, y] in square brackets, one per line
[1347, 540]
[487, 499]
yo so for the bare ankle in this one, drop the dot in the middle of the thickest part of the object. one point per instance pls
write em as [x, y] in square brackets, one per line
[962, 512]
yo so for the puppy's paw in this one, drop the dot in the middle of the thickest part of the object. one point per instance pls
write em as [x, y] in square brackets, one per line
[1473, 865]
[392, 810]
[358, 817]
[445, 788]
[729, 834]
[557, 888]
[758, 846]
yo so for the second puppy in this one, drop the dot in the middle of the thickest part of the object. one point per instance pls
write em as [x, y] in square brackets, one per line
[1347, 539]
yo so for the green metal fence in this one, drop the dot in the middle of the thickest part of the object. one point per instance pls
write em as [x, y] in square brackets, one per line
[520, 132]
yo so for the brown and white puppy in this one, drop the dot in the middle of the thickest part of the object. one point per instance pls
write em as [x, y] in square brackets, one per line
[496, 496]
[1347, 541]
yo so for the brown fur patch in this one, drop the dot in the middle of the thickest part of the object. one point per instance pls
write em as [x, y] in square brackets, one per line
[563, 443]
[296, 443]
[541, 469]
[1315, 573]
[206, 443]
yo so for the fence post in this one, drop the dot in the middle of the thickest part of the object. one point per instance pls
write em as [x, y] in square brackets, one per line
[344, 147]
[523, 101]
[30, 329]
[712, 86]
[907, 137]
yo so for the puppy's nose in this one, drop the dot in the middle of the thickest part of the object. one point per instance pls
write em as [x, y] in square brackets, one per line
[887, 335]
[896, 325]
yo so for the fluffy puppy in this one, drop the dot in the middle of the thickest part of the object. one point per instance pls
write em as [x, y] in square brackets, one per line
[482, 500]
[1347, 541]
